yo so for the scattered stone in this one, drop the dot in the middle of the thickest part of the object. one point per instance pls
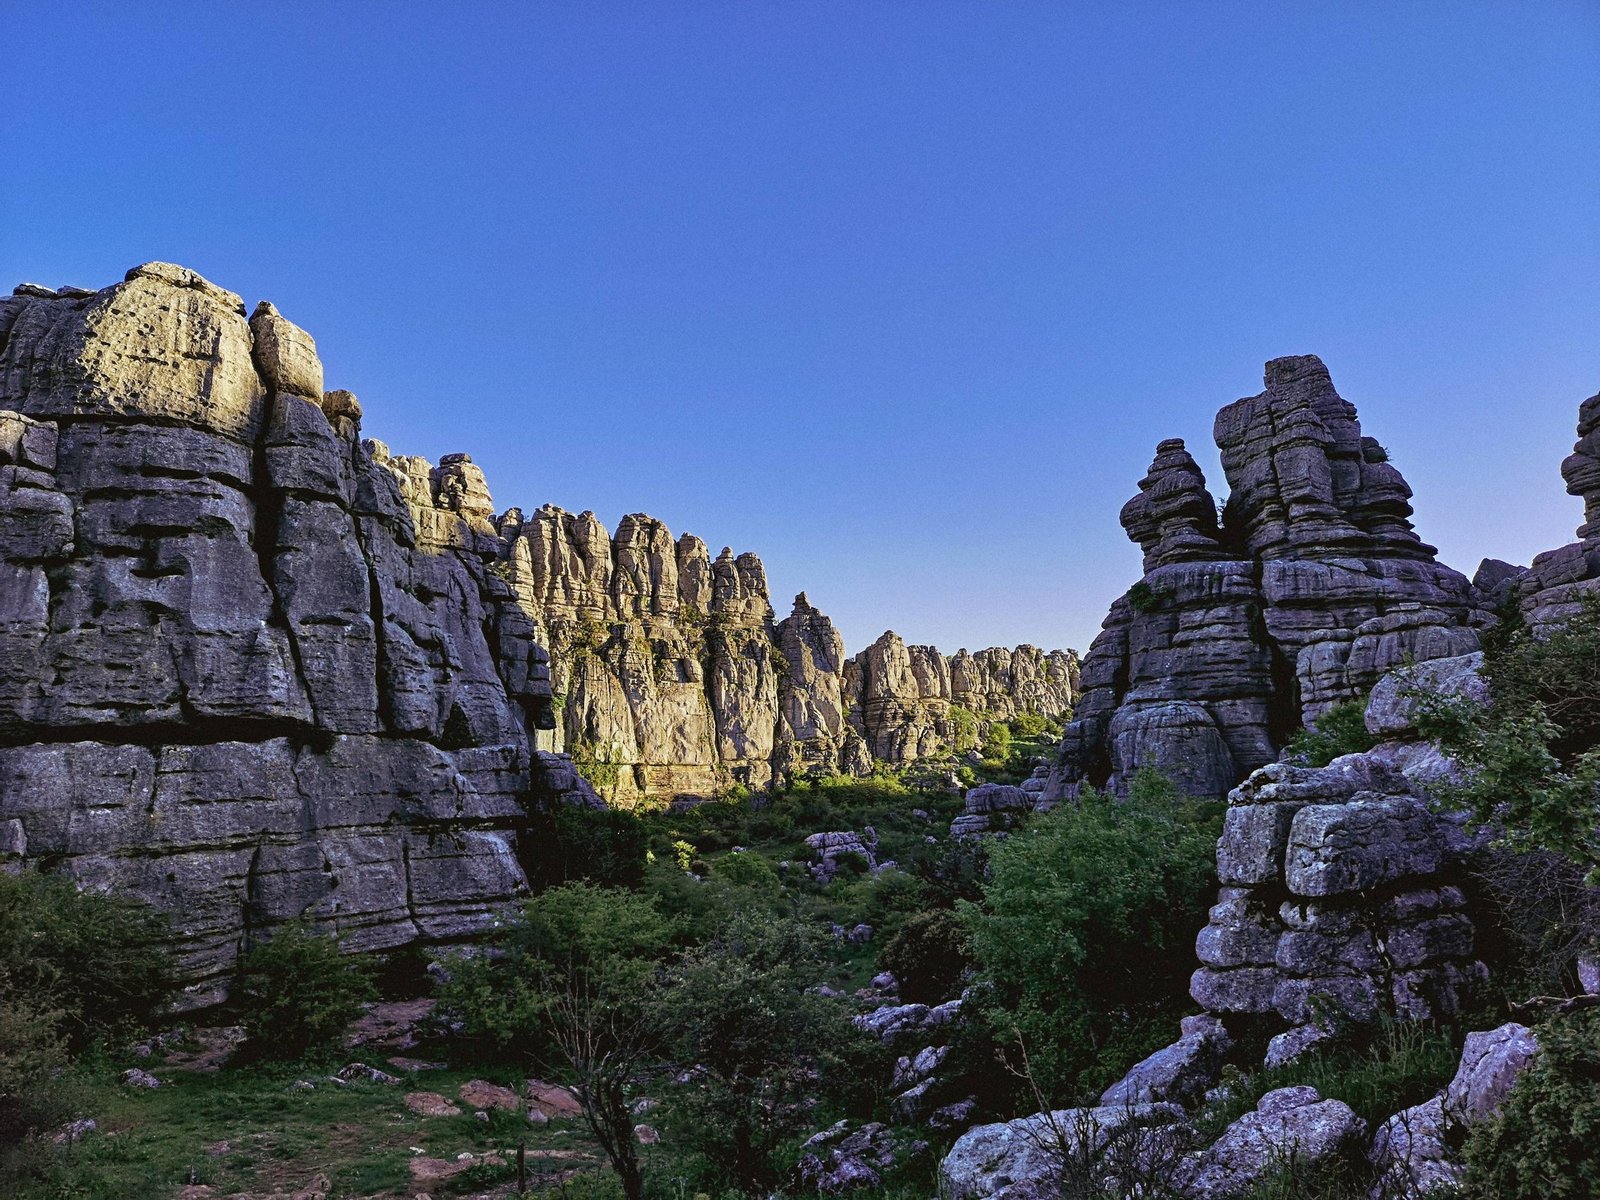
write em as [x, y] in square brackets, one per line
[74, 1131]
[1290, 1123]
[136, 1078]
[1181, 1071]
[646, 1135]
[359, 1072]
[431, 1104]
[552, 1099]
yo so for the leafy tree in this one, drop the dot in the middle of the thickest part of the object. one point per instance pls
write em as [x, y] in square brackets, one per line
[1542, 1146]
[760, 1041]
[99, 962]
[579, 984]
[1084, 931]
[299, 994]
[963, 729]
[927, 955]
[997, 741]
[1340, 730]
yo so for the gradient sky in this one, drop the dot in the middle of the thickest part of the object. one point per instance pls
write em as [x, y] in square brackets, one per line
[899, 295]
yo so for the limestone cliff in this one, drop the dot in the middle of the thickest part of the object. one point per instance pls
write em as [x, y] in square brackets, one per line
[241, 676]
[1307, 589]
[673, 679]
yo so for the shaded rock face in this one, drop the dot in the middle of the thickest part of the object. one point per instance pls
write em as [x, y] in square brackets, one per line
[250, 667]
[1310, 586]
[1556, 586]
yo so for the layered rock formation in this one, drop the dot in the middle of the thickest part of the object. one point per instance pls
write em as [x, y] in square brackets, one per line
[1561, 580]
[674, 680]
[1307, 589]
[243, 678]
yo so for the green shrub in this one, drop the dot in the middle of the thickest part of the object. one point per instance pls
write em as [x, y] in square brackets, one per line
[1341, 729]
[608, 846]
[1395, 1065]
[997, 741]
[1543, 1144]
[928, 956]
[1085, 930]
[298, 994]
[1531, 759]
[32, 1054]
[100, 963]
[764, 1042]
[963, 729]
[1144, 598]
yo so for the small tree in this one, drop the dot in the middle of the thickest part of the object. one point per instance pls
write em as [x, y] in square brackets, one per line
[1085, 925]
[300, 993]
[579, 984]
[761, 1043]
[927, 956]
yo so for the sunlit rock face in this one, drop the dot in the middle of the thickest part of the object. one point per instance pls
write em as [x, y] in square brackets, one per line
[1302, 592]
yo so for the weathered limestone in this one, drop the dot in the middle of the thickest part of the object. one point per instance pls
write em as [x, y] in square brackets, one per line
[1560, 580]
[241, 677]
[1307, 591]
[675, 679]
[1338, 902]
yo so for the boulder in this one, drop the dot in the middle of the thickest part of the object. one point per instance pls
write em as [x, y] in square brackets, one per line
[1291, 1124]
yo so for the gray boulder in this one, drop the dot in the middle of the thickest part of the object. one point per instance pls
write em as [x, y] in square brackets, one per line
[1291, 1124]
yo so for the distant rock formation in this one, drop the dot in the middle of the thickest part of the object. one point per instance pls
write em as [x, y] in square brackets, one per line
[1307, 589]
[673, 678]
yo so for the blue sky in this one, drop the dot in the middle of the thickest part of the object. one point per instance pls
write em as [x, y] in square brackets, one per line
[899, 295]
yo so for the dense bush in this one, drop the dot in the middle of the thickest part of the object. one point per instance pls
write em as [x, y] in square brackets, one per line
[100, 963]
[1543, 1146]
[1085, 930]
[1341, 729]
[928, 955]
[1532, 758]
[607, 846]
[76, 969]
[764, 1044]
[298, 993]
[577, 987]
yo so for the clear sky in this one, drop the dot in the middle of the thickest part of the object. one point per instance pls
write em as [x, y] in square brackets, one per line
[899, 295]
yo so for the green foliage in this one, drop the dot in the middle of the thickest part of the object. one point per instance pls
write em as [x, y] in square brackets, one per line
[1393, 1066]
[1144, 598]
[997, 741]
[607, 846]
[600, 765]
[1532, 758]
[577, 986]
[1084, 930]
[963, 729]
[1029, 724]
[762, 1040]
[298, 994]
[928, 956]
[32, 1054]
[1341, 729]
[100, 963]
[1542, 1146]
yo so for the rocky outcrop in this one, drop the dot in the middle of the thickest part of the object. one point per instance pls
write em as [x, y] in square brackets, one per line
[1337, 903]
[1310, 586]
[252, 668]
[673, 679]
[1562, 580]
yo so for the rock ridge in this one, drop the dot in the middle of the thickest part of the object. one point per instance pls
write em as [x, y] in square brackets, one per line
[1308, 587]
